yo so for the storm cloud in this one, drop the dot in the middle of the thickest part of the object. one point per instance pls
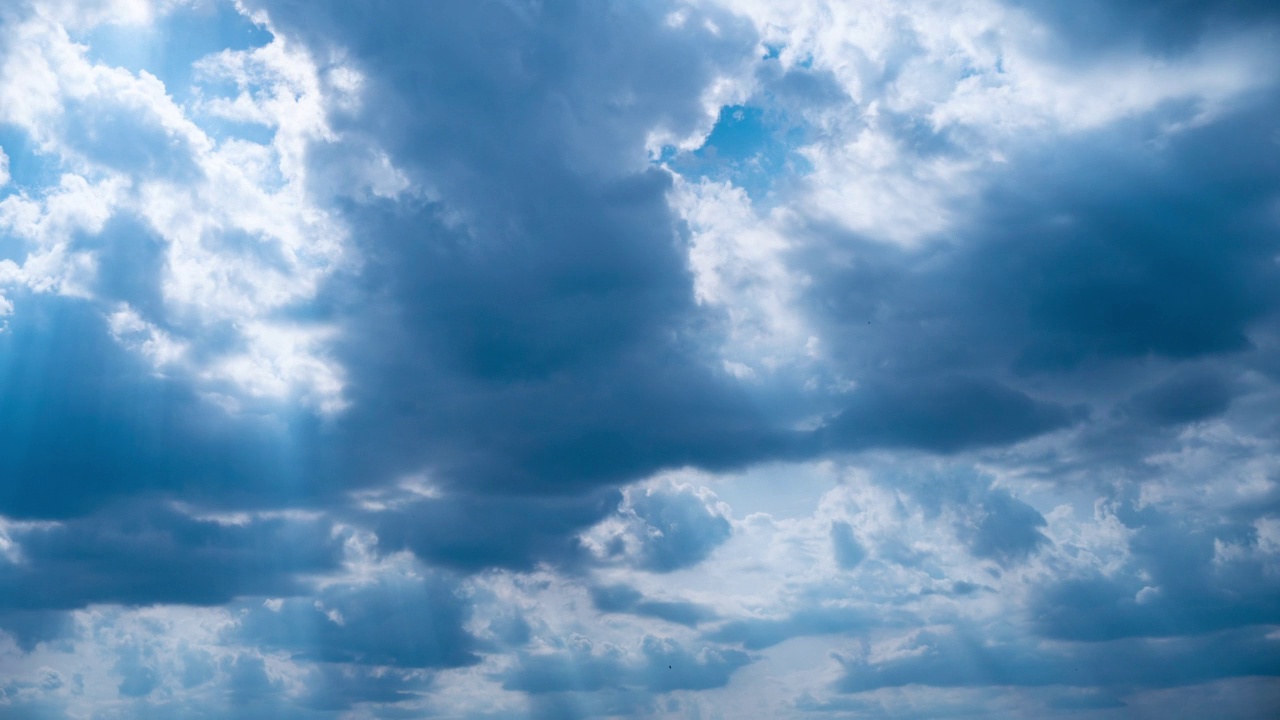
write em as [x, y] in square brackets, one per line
[581, 359]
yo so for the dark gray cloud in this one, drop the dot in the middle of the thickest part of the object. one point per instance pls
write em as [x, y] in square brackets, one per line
[678, 529]
[147, 554]
[1078, 265]
[410, 623]
[1134, 253]
[1185, 397]
[961, 660]
[626, 599]
[32, 627]
[549, 342]
[989, 520]
[1003, 528]
[459, 531]
[1177, 583]
[1170, 27]
[92, 423]
[944, 415]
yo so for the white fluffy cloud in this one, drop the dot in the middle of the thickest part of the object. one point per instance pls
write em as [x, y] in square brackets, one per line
[243, 238]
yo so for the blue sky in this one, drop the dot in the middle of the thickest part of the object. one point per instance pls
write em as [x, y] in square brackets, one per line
[689, 359]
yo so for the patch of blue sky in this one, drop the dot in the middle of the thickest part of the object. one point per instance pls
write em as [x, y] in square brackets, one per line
[971, 71]
[749, 146]
[29, 169]
[169, 47]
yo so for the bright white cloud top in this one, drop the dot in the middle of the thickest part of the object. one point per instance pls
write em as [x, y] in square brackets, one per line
[702, 358]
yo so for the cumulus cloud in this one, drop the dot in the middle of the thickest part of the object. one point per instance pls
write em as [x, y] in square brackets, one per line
[410, 622]
[662, 528]
[234, 235]
[570, 359]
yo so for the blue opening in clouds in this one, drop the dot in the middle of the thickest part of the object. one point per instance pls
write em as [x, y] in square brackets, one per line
[168, 48]
[28, 169]
[749, 146]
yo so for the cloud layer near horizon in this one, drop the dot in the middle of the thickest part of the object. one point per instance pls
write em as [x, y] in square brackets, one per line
[686, 359]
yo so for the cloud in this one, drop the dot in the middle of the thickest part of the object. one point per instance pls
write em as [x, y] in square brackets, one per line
[626, 599]
[1005, 529]
[944, 416]
[31, 627]
[660, 665]
[1182, 579]
[1166, 28]
[937, 660]
[848, 551]
[677, 528]
[98, 425]
[147, 554]
[239, 237]
[360, 358]
[1184, 398]
[1144, 281]
[341, 687]
[760, 633]
[138, 675]
[407, 622]
[457, 531]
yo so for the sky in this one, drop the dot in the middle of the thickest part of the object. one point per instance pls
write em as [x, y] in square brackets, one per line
[639, 358]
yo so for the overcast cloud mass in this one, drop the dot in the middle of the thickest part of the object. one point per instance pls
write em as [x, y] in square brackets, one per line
[620, 358]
